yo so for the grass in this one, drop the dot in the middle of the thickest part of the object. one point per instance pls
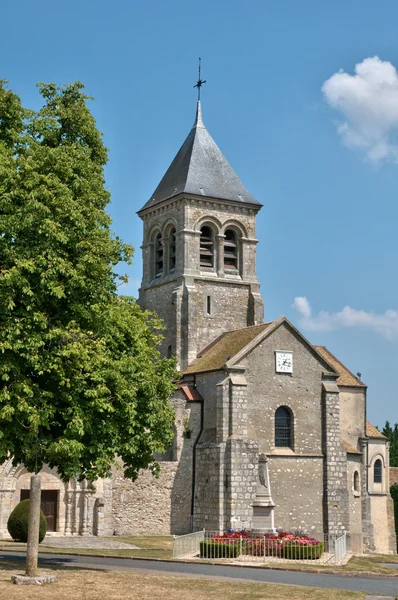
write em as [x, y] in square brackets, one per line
[92, 585]
[160, 547]
[160, 542]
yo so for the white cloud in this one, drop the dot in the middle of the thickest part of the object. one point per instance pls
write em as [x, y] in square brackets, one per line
[368, 101]
[385, 324]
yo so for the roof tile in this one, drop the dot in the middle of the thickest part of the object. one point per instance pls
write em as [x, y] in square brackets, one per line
[200, 168]
[214, 356]
[346, 377]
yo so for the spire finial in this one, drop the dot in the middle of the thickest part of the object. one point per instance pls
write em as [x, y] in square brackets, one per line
[200, 81]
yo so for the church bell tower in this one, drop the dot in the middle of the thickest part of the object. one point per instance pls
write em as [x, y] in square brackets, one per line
[199, 249]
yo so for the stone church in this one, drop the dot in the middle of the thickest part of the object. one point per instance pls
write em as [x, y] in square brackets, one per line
[270, 430]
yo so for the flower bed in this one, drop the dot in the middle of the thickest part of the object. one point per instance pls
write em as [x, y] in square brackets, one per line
[283, 544]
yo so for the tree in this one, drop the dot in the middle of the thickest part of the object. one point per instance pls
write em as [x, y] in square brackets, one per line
[392, 434]
[79, 365]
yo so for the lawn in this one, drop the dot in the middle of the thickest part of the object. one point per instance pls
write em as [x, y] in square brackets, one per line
[91, 585]
[160, 547]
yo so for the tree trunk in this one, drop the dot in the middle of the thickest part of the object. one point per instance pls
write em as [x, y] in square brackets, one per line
[33, 527]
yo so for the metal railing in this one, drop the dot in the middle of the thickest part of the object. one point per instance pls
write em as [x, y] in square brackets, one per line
[187, 545]
[340, 548]
[325, 549]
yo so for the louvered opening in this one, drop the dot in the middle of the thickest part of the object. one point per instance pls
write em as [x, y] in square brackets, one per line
[158, 255]
[206, 247]
[230, 250]
[172, 250]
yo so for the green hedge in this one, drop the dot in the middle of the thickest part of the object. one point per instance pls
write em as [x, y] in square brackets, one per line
[213, 549]
[294, 552]
[18, 520]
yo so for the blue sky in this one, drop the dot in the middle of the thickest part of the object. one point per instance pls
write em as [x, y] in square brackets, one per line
[322, 160]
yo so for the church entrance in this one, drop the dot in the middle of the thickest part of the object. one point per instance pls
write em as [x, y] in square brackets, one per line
[49, 503]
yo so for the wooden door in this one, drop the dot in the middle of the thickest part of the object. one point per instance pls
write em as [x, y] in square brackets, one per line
[49, 504]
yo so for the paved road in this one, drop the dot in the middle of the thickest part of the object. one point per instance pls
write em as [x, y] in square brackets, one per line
[372, 585]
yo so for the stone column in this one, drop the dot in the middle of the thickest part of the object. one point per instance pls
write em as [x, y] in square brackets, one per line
[367, 527]
[241, 458]
[263, 505]
[335, 490]
[219, 248]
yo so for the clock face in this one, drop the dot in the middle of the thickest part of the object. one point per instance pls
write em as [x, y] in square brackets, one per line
[283, 361]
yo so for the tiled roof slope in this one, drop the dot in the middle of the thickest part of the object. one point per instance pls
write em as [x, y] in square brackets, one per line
[348, 448]
[346, 377]
[371, 431]
[214, 357]
[393, 475]
[200, 168]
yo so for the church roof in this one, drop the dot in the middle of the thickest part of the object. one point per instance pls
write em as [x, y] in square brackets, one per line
[214, 356]
[200, 168]
[346, 378]
[348, 448]
[373, 432]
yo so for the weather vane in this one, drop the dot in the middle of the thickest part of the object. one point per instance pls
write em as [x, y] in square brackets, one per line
[200, 81]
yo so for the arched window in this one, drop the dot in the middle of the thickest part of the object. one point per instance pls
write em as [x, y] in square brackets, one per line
[230, 250]
[356, 481]
[169, 351]
[283, 428]
[378, 471]
[206, 247]
[172, 250]
[158, 255]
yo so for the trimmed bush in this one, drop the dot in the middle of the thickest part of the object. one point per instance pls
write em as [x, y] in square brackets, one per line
[295, 552]
[17, 524]
[215, 549]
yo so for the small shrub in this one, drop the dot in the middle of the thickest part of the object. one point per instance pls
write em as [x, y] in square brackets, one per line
[217, 549]
[296, 552]
[17, 524]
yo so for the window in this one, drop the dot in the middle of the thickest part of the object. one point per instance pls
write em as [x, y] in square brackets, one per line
[378, 471]
[283, 428]
[158, 255]
[206, 247]
[169, 351]
[172, 250]
[230, 250]
[208, 305]
[356, 481]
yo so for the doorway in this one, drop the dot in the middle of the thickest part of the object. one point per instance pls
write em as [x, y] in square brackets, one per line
[48, 504]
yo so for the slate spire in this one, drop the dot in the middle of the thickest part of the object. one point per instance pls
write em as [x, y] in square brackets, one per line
[199, 168]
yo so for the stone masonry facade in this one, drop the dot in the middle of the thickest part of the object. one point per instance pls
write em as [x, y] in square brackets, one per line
[238, 415]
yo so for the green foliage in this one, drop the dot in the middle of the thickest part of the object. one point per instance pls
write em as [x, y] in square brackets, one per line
[213, 549]
[394, 495]
[17, 524]
[77, 362]
[295, 552]
[392, 434]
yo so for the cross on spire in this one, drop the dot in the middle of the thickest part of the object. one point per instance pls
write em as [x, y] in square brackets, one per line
[200, 81]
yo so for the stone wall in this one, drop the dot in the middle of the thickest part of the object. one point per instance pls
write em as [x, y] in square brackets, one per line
[300, 391]
[352, 414]
[180, 295]
[336, 502]
[297, 491]
[77, 503]
[355, 501]
[151, 506]
[209, 487]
